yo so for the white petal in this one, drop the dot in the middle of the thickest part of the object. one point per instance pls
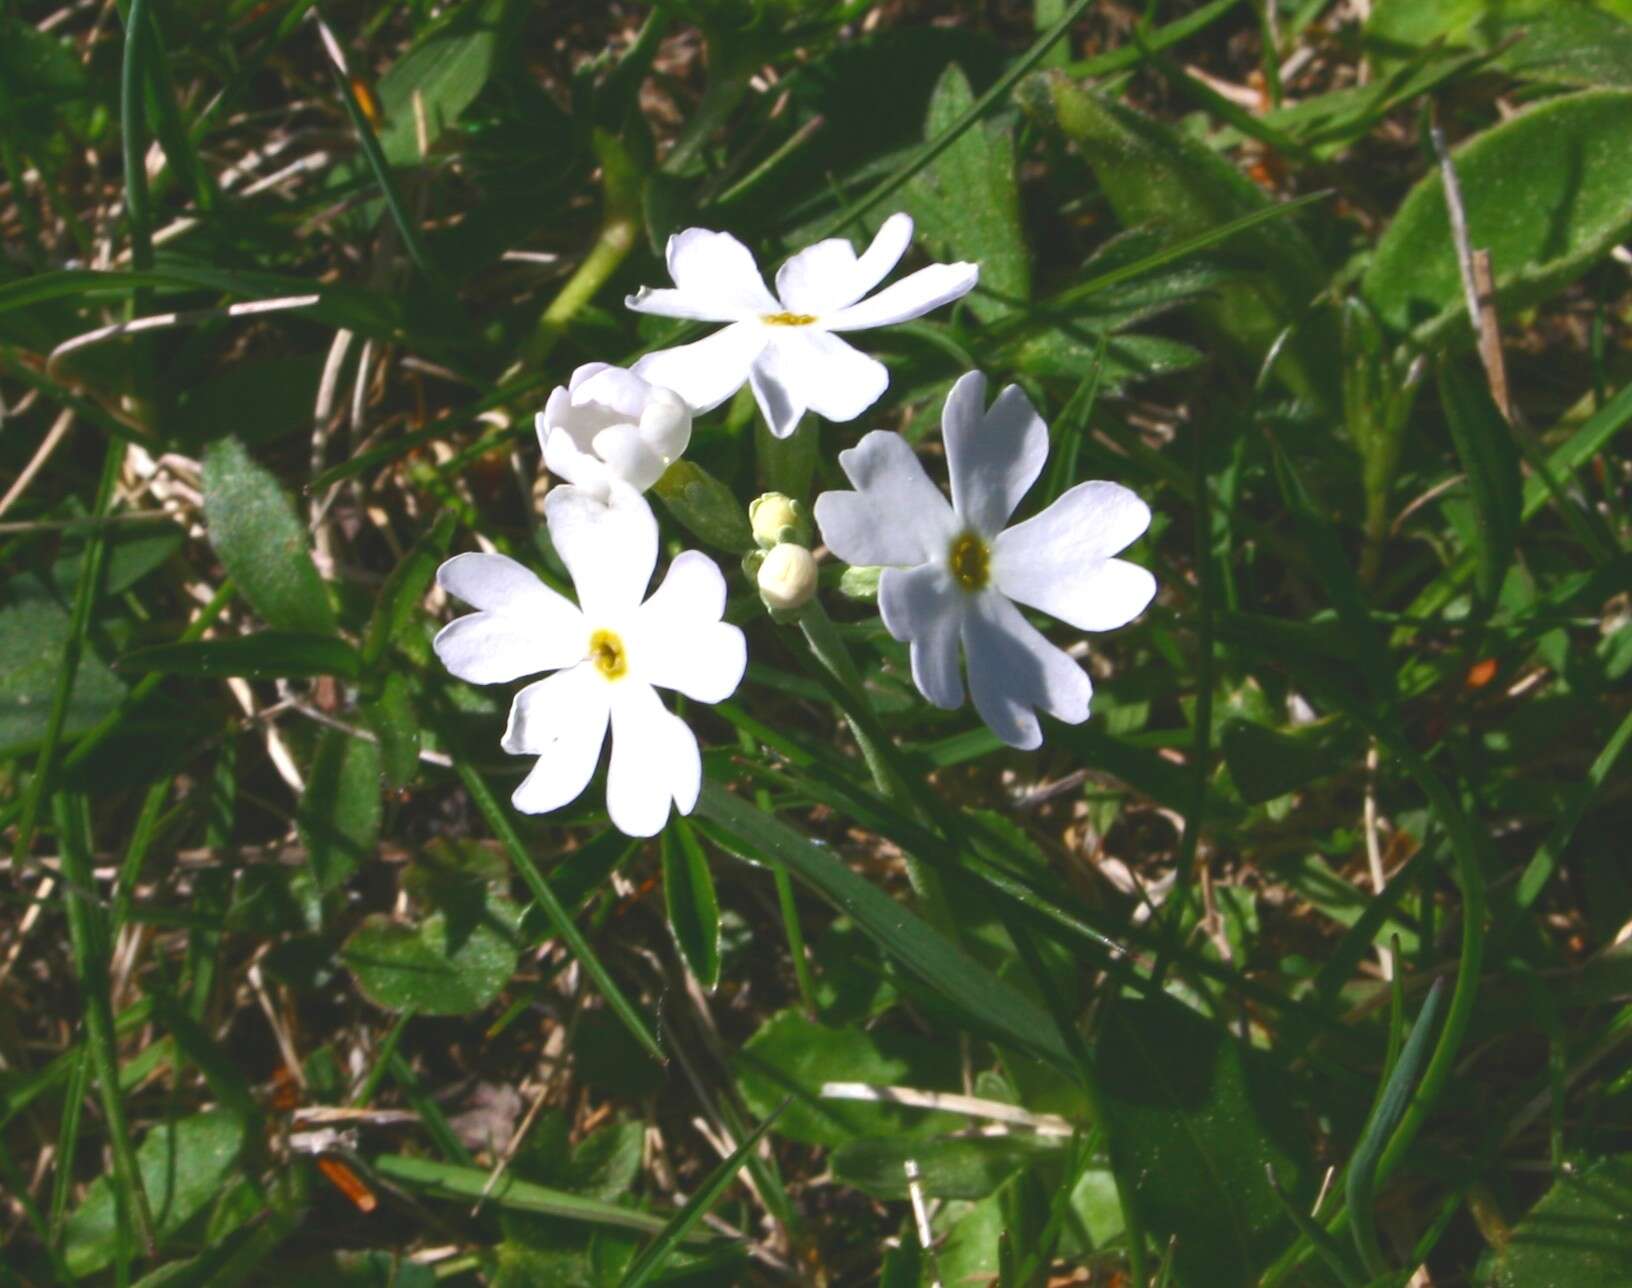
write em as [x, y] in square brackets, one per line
[1059, 560]
[611, 387]
[554, 413]
[993, 456]
[525, 626]
[889, 244]
[496, 583]
[923, 605]
[628, 457]
[655, 760]
[492, 648]
[679, 641]
[817, 279]
[585, 372]
[896, 516]
[1014, 672]
[715, 279]
[804, 368]
[708, 371]
[609, 547]
[775, 380]
[665, 423]
[911, 297]
[565, 459]
[828, 276]
[562, 720]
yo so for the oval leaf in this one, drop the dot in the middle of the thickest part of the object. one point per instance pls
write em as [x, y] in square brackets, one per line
[1545, 194]
[952, 1167]
[1577, 1233]
[263, 545]
[429, 969]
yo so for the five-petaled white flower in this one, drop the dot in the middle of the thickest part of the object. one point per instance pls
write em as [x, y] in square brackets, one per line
[785, 345]
[607, 423]
[952, 571]
[607, 653]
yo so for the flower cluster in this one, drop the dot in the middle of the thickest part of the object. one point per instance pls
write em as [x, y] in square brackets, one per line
[949, 575]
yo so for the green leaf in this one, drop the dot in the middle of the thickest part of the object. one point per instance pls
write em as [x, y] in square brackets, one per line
[260, 541]
[988, 1003]
[1576, 1235]
[688, 897]
[256, 657]
[447, 69]
[791, 1055]
[706, 507]
[1545, 194]
[1485, 446]
[400, 597]
[950, 1167]
[339, 812]
[1266, 763]
[426, 969]
[967, 204]
[183, 1165]
[1194, 1121]
[464, 1184]
[1153, 175]
[33, 634]
[392, 718]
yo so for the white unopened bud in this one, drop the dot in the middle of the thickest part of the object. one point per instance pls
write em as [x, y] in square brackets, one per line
[776, 518]
[787, 577]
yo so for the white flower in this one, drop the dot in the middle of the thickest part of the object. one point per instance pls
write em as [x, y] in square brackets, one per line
[952, 571]
[607, 653]
[608, 423]
[784, 345]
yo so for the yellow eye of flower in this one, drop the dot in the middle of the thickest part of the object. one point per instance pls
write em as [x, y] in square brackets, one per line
[606, 651]
[788, 319]
[970, 561]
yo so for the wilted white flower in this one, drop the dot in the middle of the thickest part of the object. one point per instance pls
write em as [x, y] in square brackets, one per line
[787, 577]
[953, 571]
[608, 652]
[607, 423]
[785, 345]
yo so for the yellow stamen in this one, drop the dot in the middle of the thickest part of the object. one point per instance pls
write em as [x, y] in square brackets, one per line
[606, 651]
[970, 561]
[788, 319]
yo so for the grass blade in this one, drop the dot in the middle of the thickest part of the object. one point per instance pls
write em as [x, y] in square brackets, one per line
[557, 915]
[660, 1249]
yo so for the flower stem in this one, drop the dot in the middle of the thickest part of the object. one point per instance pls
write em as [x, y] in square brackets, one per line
[620, 229]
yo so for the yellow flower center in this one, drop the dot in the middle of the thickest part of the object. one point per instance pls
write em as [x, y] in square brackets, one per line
[970, 561]
[788, 319]
[606, 651]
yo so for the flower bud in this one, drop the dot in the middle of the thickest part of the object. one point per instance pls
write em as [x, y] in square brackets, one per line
[607, 425]
[787, 577]
[777, 518]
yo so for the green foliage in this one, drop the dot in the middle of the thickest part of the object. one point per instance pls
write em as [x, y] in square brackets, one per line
[1575, 1233]
[183, 1165]
[1544, 195]
[1370, 734]
[260, 542]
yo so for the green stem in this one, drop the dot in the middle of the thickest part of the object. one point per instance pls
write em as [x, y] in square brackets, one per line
[90, 579]
[892, 782]
[87, 933]
[620, 230]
